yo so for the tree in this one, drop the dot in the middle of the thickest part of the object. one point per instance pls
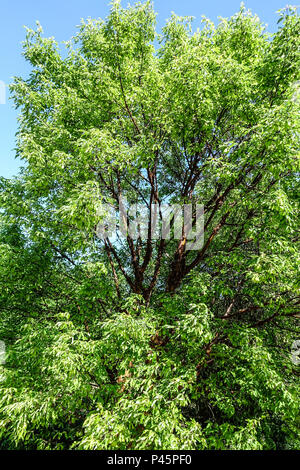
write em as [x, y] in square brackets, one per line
[143, 343]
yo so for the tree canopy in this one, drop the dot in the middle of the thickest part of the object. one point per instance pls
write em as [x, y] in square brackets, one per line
[123, 343]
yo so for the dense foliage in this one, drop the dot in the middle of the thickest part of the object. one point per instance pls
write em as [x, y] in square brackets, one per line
[142, 344]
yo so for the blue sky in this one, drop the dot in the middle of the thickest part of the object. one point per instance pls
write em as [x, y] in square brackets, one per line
[59, 19]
